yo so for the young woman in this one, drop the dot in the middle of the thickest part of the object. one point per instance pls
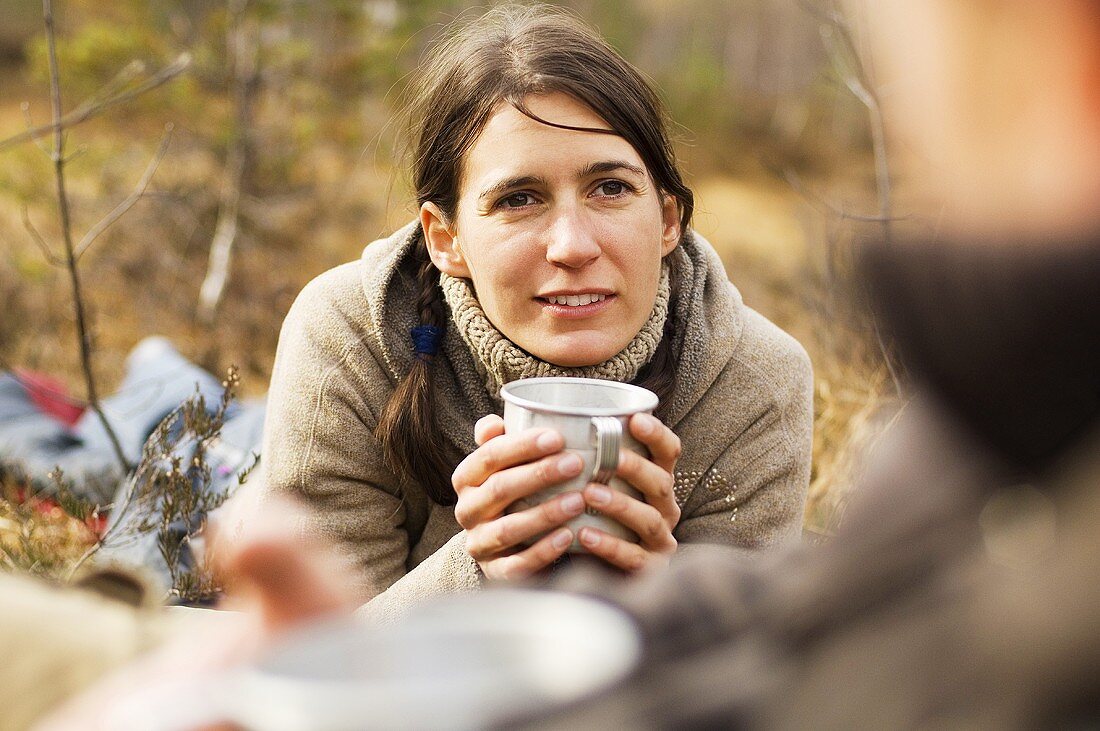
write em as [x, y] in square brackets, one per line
[553, 238]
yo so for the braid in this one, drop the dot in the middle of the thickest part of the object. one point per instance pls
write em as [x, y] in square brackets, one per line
[429, 298]
[411, 441]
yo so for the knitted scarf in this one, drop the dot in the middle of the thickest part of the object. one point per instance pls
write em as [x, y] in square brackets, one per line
[500, 361]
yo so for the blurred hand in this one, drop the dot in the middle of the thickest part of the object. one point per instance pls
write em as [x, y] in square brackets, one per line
[275, 580]
[503, 469]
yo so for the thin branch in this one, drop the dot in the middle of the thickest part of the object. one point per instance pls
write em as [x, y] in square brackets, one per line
[82, 150]
[107, 535]
[37, 238]
[89, 109]
[25, 107]
[863, 90]
[837, 36]
[137, 477]
[138, 192]
[242, 41]
[58, 157]
[795, 181]
[126, 74]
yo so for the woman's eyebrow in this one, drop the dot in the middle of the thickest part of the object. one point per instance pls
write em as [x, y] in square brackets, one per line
[609, 166]
[508, 184]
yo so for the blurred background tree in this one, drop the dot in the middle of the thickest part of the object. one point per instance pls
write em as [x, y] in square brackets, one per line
[286, 138]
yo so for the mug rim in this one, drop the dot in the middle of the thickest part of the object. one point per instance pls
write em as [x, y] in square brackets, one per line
[649, 399]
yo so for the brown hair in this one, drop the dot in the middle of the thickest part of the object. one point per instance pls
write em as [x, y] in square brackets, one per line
[504, 55]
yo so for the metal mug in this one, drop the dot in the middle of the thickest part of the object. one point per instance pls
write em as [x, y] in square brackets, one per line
[591, 415]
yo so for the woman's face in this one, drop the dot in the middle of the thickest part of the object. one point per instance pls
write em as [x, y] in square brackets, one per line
[561, 232]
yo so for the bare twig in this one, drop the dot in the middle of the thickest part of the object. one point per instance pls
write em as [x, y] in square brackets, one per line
[25, 107]
[857, 82]
[133, 480]
[137, 194]
[795, 181]
[91, 108]
[126, 74]
[58, 156]
[162, 489]
[83, 149]
[242, 41]
[838, 39]
[37, 238]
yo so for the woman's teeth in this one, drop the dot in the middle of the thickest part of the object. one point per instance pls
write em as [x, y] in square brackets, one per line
[576, 300]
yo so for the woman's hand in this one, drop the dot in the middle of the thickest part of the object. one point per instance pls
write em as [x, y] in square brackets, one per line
[503, 469]
[654, 519]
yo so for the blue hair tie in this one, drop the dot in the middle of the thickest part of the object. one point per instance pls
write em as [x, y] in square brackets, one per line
[426, 340]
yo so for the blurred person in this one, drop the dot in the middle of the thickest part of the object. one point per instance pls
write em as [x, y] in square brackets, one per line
[960, 589]
[553, 238]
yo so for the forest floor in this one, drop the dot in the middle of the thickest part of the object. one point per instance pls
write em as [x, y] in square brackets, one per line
[785, 253]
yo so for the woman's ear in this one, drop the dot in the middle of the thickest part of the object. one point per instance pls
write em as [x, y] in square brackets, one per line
[442, 242]
[670, 218]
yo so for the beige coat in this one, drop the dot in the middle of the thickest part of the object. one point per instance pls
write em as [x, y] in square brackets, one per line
[742, 407]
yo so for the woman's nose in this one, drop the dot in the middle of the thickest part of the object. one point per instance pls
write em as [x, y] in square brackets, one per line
[572, 241]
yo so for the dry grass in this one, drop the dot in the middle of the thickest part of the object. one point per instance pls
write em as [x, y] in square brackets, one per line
[782, 254]
[758, 225]
[37, 536]
[335, 194]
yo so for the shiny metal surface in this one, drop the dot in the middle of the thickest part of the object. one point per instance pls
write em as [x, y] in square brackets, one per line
[464, 663]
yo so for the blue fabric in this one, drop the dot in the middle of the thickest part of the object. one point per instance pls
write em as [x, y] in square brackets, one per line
[426, 339]
[36, 443]
[157, 380]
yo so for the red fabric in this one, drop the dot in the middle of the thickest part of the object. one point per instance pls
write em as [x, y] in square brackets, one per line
[51, 397]
[96, 521]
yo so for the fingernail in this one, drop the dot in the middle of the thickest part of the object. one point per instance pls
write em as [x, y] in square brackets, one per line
[572, 503]
[645, 424]
[562, 538]
[589, 537]
[570, 465]
[599, 494]
[547, 441]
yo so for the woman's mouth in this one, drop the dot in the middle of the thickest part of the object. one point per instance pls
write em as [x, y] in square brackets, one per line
[576, 300]
[576, 305]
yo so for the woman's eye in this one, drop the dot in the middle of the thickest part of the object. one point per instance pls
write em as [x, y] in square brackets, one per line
[516, 200]
[612, 188]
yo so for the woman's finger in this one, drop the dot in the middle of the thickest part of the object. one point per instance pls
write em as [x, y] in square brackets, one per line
[507, 450]
[530, 561]
[488, 427]
[500, 489]
[653, 531]
[492, 538]
[629, 557]
[662, 442]
[655, 483]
